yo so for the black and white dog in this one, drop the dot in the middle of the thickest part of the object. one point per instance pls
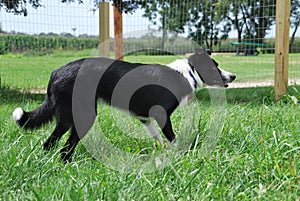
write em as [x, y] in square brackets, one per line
[155, 92]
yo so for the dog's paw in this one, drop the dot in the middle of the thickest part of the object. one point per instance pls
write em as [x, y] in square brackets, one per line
[65, 157]
[174, 142]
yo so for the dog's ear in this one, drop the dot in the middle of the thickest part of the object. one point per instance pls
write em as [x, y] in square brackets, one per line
[208, 51]
[199, 51]
[206, 68]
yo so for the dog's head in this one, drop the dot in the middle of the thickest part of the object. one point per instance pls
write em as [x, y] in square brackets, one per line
[208, 69]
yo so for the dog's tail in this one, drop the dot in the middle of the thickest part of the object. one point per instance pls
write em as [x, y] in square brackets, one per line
[35, 118]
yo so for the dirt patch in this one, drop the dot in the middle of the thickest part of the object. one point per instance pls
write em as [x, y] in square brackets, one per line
[37, 91]
[265, 83]
[223, 53]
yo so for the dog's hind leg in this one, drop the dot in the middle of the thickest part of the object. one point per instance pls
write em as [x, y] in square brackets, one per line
[69, 147]
[62, 126]
[153, 131]
[55, 136]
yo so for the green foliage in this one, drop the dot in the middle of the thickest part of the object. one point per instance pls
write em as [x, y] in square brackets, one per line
[33, 71]
[210, 21]
[255, 158]
[18, 6]
[30, 43]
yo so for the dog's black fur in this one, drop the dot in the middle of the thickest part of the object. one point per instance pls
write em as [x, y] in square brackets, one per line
[58, 102]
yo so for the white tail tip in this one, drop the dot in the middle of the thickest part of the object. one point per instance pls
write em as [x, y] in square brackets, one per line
[17, 114]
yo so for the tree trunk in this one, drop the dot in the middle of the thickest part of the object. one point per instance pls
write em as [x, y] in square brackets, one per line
[236, 22]
[293, 37]
[261, 26]
[164, 29]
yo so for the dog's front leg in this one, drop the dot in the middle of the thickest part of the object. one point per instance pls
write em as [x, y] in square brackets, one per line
[166, 126]
[55, 136]
[154, 132]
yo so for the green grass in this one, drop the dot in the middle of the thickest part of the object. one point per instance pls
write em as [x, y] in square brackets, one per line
[30, 71]
[256, 68]
[257, 156]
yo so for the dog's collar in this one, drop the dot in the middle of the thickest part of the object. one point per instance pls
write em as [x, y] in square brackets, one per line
[195, 71]
[193, 77]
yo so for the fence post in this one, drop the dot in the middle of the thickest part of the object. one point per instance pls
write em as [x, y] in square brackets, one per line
[282, 47]
[104, 42]
[118, 35]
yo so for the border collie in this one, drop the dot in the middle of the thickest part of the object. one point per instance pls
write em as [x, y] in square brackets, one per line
[166, 88]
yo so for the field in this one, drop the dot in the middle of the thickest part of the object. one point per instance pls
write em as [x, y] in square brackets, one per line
[257, 155]
[34, 71]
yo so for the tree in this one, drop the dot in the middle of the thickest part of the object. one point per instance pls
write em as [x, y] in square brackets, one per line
[153, 9]
[250, 18]
[206, 23]
[126, 6]
[231, 14]
[176, 15]
[258, 16]
[295, 19]
[171, 14]
[18, 6]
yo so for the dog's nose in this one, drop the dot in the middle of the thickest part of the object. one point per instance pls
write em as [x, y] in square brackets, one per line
[232, 77]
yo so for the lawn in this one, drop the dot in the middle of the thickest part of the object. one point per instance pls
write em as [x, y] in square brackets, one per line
[257, 155]
[34, 71]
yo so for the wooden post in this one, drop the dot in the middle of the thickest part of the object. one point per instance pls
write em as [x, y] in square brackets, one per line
[104, 42]
[282, 47]
[118, 34]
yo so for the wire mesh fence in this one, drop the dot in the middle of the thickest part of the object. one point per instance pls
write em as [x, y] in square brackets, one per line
[240, 33]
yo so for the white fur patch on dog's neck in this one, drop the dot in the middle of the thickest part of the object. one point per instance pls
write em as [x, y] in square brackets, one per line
[183, 67]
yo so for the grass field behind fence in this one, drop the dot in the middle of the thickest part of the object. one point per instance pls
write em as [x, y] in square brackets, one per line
[22, 70]
[256, 157]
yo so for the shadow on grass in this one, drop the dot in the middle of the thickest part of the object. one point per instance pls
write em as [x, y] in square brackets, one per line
[13, 95]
